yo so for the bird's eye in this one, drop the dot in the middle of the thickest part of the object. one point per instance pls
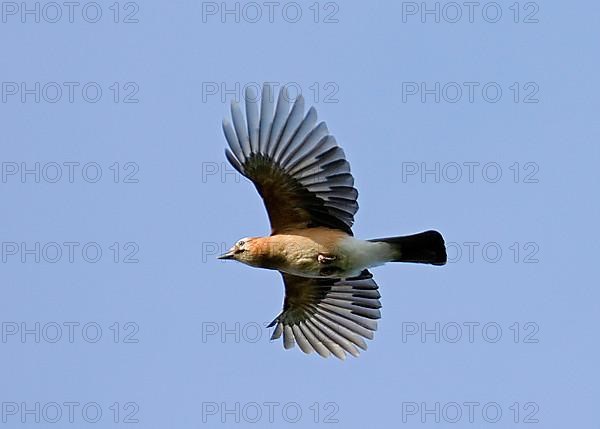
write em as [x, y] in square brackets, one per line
[241, 243]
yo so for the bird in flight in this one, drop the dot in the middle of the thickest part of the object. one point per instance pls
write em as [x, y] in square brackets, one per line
[331, 301]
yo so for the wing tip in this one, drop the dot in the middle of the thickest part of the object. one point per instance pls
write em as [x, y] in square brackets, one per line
[249, 95]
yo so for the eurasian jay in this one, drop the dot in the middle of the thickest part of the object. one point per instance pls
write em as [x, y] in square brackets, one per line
[331, 300]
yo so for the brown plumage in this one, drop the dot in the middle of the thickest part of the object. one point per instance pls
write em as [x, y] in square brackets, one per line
[331, 301]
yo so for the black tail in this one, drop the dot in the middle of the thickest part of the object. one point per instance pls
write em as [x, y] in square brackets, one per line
[424, 248]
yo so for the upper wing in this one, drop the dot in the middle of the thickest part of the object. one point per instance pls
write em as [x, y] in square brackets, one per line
[329, 316]
[297, 167]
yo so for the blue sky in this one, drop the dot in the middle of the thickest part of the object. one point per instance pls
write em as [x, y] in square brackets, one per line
[116, 198]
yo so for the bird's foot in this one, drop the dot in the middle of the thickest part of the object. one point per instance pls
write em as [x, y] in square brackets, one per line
[325, 259]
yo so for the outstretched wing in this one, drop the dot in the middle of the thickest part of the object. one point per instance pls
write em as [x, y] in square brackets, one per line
[329, 316]
[297, 167]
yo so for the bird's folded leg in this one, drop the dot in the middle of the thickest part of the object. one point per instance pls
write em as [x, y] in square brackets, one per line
[325, 259]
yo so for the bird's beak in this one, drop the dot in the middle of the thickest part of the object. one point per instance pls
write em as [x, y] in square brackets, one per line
[227, 255]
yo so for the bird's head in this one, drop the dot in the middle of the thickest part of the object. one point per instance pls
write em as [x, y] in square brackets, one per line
[243, 251]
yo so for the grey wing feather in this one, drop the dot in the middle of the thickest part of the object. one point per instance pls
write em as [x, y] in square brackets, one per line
[266, 117]
[279, 121]
[252, 118]
[293, 122]
[240, 128]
